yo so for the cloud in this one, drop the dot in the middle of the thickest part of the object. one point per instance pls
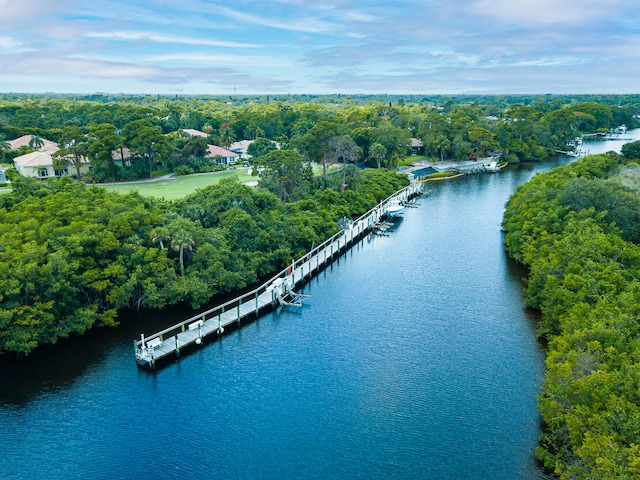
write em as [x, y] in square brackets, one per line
[542, 12]
[306, 24]
[239, 60]
[10, 45]
[161, 38]
[322, 45]
[12, 11]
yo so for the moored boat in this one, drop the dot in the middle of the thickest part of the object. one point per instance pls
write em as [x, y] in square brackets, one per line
[394, 208]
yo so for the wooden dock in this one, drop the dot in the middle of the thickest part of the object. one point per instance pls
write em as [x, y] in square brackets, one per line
[280, 290]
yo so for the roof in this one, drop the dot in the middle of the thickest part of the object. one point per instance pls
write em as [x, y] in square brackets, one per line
[48, 145]
[223, 152]
[34, 159]
[416, 142]
[194, 133]
[118, 154]
[241, 146]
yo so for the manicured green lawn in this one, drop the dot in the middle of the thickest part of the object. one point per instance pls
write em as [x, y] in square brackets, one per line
[179, 186]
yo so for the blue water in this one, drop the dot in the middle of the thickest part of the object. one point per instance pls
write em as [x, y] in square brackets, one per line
[414, 358]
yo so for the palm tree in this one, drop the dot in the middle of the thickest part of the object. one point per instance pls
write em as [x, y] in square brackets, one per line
[227, 137]
[182, 239]
[346, 150]
[377, 152]
[160, 235]
[36, 142]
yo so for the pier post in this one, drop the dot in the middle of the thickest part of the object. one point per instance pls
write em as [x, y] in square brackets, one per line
[257, 305]
[239, 303]
[177, 346]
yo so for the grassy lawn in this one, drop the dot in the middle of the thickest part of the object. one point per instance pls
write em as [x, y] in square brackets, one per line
[180, 186]
[410, 160]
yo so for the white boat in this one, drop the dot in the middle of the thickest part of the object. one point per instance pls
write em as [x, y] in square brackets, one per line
[492, 167]
[394, 208]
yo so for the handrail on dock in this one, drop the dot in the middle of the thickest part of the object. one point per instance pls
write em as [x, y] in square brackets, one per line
[150, 349]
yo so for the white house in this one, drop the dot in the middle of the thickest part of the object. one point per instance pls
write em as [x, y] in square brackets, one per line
[40, 165]
[241, 148]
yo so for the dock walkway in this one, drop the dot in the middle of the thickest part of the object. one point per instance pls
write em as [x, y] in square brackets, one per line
[279, 290]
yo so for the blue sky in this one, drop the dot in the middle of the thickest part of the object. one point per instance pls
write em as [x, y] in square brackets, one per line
[320, 46]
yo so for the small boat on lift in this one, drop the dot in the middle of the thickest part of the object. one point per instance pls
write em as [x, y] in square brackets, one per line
[492, 167]
[394, 208]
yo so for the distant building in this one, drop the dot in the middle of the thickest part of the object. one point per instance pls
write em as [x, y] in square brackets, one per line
[241, 148]
[417, 147]
[122, 157]
[40, 165]
[225, 157]
[3, 177]
[193, 132]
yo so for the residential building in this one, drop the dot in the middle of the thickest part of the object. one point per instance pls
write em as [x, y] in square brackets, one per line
[40, 165]
[417, 147]
[224, 156]
[241, 148]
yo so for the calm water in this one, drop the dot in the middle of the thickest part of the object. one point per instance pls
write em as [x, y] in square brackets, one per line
[414, 358]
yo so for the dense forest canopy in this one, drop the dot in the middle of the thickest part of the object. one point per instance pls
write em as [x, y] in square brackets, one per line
[377, 129]
[577, 228]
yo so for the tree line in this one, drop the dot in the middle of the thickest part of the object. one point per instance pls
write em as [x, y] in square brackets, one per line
[344, 129]
[577, 229]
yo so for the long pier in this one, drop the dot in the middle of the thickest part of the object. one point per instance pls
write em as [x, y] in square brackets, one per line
[279, 290]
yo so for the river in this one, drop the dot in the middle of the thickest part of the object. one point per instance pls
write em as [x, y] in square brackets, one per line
[414, 358]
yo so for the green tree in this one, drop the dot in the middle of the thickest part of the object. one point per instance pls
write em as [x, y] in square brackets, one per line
[147, 141]
[631, 150]
[260, 146]
[286, 174]
[182, 238]
[227, 137]
[377, 152]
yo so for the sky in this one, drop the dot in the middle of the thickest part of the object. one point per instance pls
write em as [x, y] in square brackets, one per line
[249, 47]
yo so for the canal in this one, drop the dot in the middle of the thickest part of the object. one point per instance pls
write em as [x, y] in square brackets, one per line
[414, 358]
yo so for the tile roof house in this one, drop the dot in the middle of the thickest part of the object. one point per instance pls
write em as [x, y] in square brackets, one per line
[40, 165]
[227, 157]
